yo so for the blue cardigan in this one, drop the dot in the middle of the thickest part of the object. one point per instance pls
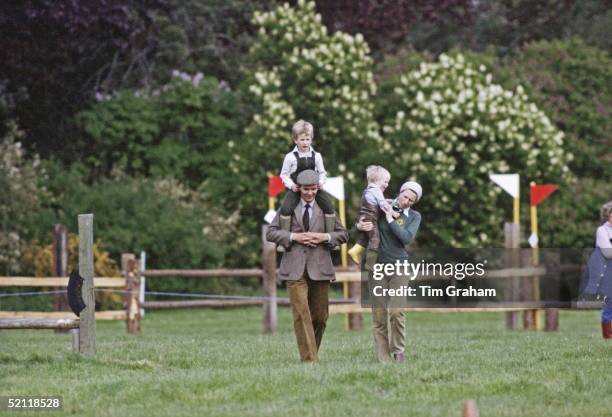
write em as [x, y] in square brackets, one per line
[597, 277]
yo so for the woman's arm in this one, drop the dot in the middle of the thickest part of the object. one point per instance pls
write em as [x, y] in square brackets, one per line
[406, 232]
[603, 242]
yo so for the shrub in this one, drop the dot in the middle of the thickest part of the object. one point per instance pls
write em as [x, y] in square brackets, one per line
[22, 192]
[454, 128]
[180, 130]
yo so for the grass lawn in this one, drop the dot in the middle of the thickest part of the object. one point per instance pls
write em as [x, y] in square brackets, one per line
[216, 363]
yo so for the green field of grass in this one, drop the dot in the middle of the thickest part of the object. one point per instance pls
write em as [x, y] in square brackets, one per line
[217, 363]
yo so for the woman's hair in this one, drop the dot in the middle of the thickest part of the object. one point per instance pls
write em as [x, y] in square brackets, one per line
[374, 172]
[605, 211]
[302, 126]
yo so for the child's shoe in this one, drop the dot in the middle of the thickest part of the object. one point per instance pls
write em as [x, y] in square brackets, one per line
[356, 253]
[284, 223]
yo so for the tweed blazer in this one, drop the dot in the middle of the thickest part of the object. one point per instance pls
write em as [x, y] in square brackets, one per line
[300, 258]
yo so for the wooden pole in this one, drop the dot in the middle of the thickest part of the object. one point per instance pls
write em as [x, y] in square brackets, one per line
[352, 321]
[516, 210]
[268, 261]
[60, 266]
[531, 317]
[355, 319]
[343, 248]
[141, 294]
[169, 305]
[205, 273]
[132, 287]
[74, 333]
[527, 293]
[553, 281]
[511, 232]
[87, 323]
[21, 323]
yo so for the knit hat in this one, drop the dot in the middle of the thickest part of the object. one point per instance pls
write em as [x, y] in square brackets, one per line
[414, 187]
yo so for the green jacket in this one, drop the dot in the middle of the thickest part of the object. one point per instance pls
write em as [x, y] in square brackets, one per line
[395, 236]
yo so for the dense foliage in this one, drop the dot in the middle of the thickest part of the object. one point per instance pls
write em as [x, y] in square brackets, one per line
[182, 129]
[21, 192]
[455, 127]
[164, 118]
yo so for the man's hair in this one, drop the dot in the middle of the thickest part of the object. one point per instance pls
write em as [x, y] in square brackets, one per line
[375, 172]
[302, 126]
[605, 211]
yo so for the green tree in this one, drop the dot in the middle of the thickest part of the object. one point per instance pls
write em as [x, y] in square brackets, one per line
[571, 82]
[184, 129]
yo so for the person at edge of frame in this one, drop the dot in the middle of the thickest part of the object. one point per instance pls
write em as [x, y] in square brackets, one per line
[597, 278]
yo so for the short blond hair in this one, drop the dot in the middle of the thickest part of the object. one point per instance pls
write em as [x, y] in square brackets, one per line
[374, 172]
[605, 211]
[302, 126]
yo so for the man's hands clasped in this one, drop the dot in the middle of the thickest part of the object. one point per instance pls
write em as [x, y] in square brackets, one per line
[311, 239]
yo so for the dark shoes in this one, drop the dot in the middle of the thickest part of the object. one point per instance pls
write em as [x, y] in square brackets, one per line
[399, 357]
[606, 329]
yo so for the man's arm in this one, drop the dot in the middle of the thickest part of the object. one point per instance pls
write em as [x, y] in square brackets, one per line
[339, 235]
[276, 234]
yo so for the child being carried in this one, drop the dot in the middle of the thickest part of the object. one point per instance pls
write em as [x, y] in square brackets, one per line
[372, 203]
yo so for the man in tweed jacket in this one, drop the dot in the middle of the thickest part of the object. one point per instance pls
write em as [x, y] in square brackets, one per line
[307, 265]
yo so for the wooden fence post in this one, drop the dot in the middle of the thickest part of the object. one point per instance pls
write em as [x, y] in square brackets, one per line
[87, 322]
[60, 267]
[268, 261]
[141, 294]
[511, 233]
[553, 281]
[132, 289]
[528, 291]
[355, 320]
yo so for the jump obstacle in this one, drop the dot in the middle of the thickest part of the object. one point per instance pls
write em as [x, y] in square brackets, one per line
[134, 273]
[83, 328]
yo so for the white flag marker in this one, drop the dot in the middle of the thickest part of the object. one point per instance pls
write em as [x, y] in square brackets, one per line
[270, 216]
[335, 186]
[508, 182]
[533, 240]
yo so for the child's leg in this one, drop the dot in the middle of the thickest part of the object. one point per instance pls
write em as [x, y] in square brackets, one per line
[356, 252]
[289, 203]
[327, 207]
[324, 202]
[373, 238]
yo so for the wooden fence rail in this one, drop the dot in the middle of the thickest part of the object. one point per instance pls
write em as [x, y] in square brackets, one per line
[83, 329]
[134, 273]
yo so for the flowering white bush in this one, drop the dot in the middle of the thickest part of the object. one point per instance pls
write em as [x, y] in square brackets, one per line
[21, 193]
[454, 128]
[302, 72]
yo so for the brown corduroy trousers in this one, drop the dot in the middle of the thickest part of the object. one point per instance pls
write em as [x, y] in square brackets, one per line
[310, 306]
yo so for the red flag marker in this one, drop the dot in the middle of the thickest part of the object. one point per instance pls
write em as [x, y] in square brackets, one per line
[275, 186]
[540, 192]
